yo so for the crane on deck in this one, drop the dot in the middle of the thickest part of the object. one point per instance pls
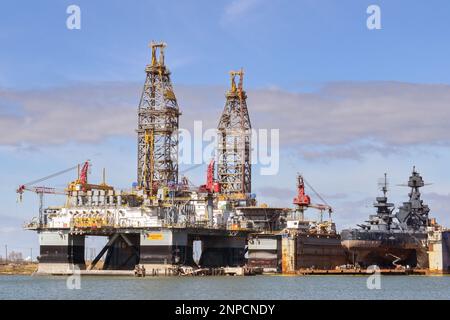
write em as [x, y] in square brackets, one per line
[303, 201]
[211, 186]
[41, 190]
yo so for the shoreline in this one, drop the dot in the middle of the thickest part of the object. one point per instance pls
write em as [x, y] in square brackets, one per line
[31, 268]
[18, 268]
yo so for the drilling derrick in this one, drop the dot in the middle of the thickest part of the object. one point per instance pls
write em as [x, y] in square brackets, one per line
[158, 118]
[234, 137]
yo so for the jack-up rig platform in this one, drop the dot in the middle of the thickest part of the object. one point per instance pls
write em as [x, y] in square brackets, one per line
[155, 223]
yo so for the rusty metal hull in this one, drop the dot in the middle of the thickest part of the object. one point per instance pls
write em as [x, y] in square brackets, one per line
[319, 251]
[386, 249]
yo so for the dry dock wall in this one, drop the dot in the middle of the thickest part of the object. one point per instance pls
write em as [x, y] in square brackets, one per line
[263, 252]
[305, 251]
[439, 252]
[319, 251]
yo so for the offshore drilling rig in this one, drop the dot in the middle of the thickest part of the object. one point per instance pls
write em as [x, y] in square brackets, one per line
[155, 223]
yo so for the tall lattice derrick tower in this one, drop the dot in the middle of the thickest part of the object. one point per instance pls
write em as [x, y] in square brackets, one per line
[158, 118]
[234, 141]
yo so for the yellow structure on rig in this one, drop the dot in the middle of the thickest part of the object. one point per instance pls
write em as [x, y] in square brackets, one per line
[81, 183]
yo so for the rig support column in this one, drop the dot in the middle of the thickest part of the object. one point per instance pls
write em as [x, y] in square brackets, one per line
[223, 251]
[164, 249]
[60, 252]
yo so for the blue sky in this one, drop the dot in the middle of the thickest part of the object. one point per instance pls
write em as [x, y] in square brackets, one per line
[350, 103]
[280, 43]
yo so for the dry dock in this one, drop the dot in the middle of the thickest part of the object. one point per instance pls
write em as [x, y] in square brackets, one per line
[392, 272]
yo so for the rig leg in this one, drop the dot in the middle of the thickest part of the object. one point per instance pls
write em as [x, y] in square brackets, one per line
[222, 251]
[123, 252]
[60, 252]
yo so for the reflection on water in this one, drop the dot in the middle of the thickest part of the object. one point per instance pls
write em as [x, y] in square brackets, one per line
[258, 287]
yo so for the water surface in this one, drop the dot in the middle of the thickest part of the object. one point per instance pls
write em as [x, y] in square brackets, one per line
[228, 288]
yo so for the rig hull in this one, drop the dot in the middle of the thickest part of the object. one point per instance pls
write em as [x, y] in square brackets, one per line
[159, 250]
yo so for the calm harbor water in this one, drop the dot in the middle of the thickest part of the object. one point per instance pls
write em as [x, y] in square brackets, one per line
[257, 287]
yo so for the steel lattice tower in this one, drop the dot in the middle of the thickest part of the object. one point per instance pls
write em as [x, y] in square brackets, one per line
[158, 118]
[234, 141]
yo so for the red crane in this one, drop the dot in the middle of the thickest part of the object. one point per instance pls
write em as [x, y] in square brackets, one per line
[84, 173]
[303, 201]
[211, 186]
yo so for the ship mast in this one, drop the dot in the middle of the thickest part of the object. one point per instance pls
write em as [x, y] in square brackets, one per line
[413, 214]
[384, 211]
[384, 187]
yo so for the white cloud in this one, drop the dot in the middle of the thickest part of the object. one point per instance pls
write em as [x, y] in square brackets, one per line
[389, 112]
[9, 230]
[440, 206]
[342, 120]
[82, 113]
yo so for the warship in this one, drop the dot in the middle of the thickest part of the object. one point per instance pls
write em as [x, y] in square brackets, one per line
[392, 240]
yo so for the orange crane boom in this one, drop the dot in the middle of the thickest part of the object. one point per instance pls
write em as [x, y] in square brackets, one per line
[41, 190]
